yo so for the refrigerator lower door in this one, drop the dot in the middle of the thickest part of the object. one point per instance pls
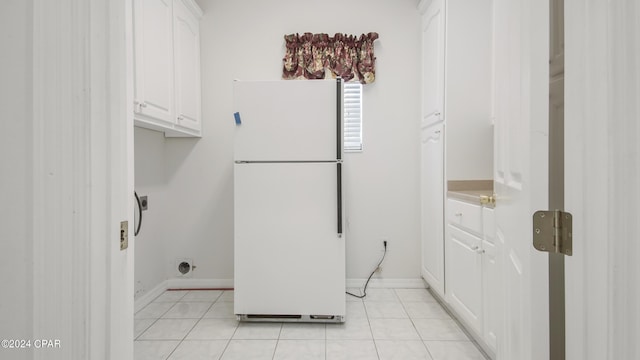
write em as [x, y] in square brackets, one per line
[289, 258]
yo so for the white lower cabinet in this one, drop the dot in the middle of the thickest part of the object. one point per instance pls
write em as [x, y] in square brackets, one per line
[491, 280]
[464, 276]
[472, 264]
[490, 283]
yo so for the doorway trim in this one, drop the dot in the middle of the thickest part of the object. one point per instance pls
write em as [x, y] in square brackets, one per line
[82, 178]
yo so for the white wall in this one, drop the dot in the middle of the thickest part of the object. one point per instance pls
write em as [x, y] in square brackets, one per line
[150, 180]
[244, 40]
[16, 182]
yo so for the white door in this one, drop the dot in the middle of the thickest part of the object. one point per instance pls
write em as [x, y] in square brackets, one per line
[286, 120]
[432, 194]
[520, 172]
[80, 186]
[289, 258]
[602, 173]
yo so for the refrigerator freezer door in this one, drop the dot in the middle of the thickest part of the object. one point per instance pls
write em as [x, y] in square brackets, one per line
[286, 120]
[289, 259]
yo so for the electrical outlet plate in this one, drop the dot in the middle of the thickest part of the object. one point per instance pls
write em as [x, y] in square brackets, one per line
[184, 267]
[144, 203]
[124, 235]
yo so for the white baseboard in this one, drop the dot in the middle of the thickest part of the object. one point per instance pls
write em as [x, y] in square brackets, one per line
[149, 296]
[189, 283]
[388, 283]
[180, 283]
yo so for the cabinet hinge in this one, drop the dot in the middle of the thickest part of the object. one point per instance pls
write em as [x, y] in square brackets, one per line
[552, 231]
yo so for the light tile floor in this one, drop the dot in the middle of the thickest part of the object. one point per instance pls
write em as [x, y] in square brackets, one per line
[402, 324]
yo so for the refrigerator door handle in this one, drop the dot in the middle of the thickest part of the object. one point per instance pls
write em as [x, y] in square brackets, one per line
[339, 204]
[339, 115]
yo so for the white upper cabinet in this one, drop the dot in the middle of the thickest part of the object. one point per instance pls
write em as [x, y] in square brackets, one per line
[468, 89]
[167, 66]
[187, 67]
[433, 56]
[153, 38]
[457, 83]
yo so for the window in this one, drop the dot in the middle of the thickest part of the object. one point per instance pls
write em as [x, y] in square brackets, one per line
[352, 117]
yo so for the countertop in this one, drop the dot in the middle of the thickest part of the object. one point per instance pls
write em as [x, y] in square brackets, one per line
[470, 190]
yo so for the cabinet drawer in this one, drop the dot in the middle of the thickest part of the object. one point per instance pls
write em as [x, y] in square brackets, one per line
[465, 215]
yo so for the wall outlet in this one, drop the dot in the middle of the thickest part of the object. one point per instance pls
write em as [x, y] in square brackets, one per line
[184, 267]
[144, 203]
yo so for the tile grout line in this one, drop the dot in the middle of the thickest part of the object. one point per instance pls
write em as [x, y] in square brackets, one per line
[414, 327]
[277, 342]
[232, 335]
[157, 318]
[194, 325]
[145, 329]
[325, 336]
[175, 302]
[470, 338]
[366, 312]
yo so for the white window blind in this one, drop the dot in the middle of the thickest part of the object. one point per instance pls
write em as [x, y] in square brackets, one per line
[352, 117]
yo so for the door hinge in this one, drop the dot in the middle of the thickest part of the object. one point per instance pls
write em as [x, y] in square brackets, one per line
[552, 231]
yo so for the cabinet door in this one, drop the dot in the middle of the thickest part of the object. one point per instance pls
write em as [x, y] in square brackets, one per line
[154, 59]
[491, 279]
[432, 198]
[464, 276]
[187, 58]
[433, 63]
[490, 293]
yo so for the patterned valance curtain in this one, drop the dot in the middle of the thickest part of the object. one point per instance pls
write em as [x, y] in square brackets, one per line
[319, 56]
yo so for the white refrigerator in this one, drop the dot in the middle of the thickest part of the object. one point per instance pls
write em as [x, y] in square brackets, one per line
[289, 244]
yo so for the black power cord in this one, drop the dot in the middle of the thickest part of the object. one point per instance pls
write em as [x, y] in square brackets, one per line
[139, 214]
[364, 291]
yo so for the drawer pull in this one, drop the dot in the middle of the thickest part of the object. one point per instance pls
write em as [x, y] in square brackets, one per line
[475, 248]
[458, 214]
